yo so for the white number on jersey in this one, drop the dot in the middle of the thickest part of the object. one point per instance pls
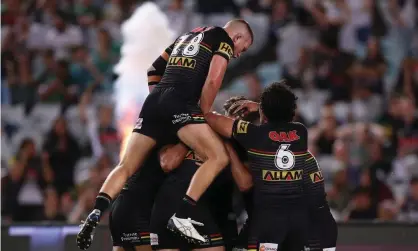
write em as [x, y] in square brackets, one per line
[285, 160]
[192, 47]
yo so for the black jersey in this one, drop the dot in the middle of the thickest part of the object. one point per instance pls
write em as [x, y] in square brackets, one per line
[315, 189]
[277, 155]
[189, 61]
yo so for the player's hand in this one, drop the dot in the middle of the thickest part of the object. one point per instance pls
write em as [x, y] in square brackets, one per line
[248, 106]
[85, 236]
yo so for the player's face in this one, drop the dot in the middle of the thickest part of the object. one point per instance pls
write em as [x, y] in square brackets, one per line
[241, 43]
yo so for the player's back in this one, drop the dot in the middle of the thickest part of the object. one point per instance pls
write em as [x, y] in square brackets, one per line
[276, 153]
[189, 61]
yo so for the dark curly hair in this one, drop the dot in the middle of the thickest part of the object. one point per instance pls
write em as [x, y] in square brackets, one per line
[231, 102]
[278, 102]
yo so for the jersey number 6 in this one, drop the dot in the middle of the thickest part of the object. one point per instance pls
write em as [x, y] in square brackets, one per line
[284, 160]
[192, 47]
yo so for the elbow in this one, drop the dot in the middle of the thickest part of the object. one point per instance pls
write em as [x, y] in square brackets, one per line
[245, 186]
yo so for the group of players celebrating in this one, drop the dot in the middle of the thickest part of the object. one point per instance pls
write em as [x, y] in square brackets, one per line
[173, 186]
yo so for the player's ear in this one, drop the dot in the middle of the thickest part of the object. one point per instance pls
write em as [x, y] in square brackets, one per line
[237, 37]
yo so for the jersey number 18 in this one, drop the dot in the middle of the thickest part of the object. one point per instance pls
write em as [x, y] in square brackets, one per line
[192, 46]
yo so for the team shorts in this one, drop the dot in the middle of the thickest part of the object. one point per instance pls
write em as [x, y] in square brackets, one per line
[241, 242]
[278, 230]
[129, 221]
[323, 230]
[166, 203]
[165, 112]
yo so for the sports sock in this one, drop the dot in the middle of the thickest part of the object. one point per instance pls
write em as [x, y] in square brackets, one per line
[186, 208]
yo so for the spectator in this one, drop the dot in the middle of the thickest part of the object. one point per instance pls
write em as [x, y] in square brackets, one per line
[108, 136]
[112, 11]
[99, 173]
[254, 86]
[257, 6]
[391, 120]
[104, 58]
[178, 17]
[325, 133]
[387, 210]
[63, 152]
[51, 206]
[63, 36]
[408, 134]
[85, 204]
[339, 195]
[409, 210]
[408, 79]
[84, 72]
[369, 72]
[291, 38]
[363, 208]
[379, 191]
[28, 176]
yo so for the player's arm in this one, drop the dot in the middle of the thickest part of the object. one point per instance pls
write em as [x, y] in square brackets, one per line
[171, 156]
[220, 123]
[157, 69]
[222, 54]
[230, 128]
[213, 82]
[313, 183]
[239, 171]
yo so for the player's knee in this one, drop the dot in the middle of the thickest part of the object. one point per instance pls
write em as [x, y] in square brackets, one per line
[221, 158]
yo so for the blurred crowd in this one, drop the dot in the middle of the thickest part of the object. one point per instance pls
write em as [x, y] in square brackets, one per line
[353, 64]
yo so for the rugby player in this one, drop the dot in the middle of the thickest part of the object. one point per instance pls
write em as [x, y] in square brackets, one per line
[277, 152]
[129, 219]
[195, 65]
[214, 208]
[323, 230]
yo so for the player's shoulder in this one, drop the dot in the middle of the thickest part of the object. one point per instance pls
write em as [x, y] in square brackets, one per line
[299, 126]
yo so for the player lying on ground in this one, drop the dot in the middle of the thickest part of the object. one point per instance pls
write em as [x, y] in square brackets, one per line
[196, 64]
[277, 151]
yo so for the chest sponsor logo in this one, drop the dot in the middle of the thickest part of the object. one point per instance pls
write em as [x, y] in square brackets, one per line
[268, 247]
[316, 177]
[289, 136]
[269, 175]
[182, 62]
[226, 48]
[242, 126]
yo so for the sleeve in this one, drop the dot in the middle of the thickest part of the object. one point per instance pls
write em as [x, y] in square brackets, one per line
[313, 182]
[223, 44]
[157, 69]
[242, 132]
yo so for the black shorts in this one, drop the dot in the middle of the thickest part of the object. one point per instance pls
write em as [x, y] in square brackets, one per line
[166, 203]
[165, 112]
[278, 230]
[241, 242]
[323, 230]
[129, 220]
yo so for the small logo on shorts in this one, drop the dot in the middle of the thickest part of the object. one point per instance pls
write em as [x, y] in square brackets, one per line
[181, 118]
[132, 237]
[268, 247]
[138, 123]
[154, 239]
